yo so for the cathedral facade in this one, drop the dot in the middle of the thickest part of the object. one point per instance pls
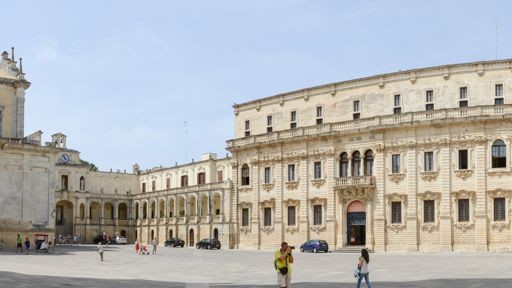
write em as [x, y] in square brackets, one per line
[418, 160]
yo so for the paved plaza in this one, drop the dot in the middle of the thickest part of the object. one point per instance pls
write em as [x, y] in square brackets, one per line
[79, 266]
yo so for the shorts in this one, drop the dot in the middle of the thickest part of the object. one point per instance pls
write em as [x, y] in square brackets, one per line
[18, 246]
[284, 280]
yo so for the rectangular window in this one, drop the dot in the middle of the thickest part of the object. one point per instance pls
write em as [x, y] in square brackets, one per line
[319, 112]
[499, 209]
[267, 215]
[429, 161]
[319, 121]
[356, 116]
[153, 185]
[463, 210]
[498, 101]
[499, 90]
[201, 178]
[291, 172]
[168, 183]
[396, 212]
[267, 175]
[293, 119]
[269, 124]
[356, 106]
[428, 211]
[220, 176]
[395, 163]
[64, 182]
[429, 107]
[143, 187]
[463, 93]
[429, 96]
[245, 217]
[318, 170]
[397, 101]
[291, 215]
[317, 215]
[247, 128]
[397, 110]
[463, 159]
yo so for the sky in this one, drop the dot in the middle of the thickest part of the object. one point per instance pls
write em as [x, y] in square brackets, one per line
[121, 78]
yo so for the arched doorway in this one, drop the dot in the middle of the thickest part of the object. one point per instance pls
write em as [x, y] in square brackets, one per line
[64, 217]
[191, 238]
[216, 233]
[356, 223]
[170, 234]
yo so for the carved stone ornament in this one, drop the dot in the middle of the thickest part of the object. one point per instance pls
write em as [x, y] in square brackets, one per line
[499, 173]
[317, 228]
[379, 148]
[463, 226]
[245, 189]
[317, 182]
[396, 227]
[245, 230]
[500, 225]
[429, 175]
[429, 227]
[290, 185]
[465, 173]
[292, 229]
[396, 177]
[267, 186]
[267, 229]
[356, 193]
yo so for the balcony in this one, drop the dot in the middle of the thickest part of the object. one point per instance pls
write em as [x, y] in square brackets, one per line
[375, 122]
[358, 181]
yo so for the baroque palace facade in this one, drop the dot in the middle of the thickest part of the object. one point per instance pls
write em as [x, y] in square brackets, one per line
[406, 161]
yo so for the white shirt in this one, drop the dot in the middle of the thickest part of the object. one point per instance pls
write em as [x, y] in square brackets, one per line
[99, 248]
[364, 267]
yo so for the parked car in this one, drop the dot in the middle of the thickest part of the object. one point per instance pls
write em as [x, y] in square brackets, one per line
[208, 243]
[121, 240]
[315, 246]
[174, 242]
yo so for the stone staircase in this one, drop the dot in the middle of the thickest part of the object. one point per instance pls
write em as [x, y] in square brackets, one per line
[356, 249]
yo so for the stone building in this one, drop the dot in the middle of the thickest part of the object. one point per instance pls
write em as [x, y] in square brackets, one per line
[406, 161]
[413, 160]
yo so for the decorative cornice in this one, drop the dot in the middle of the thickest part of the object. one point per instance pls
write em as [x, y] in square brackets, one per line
[396, 227]
[429, 227]
[429, 175]
[291, 202]
[463, 173]
[463, 226]
[291, 185]
[267, 186]
[292, 229]
[267, 229]
[245, 230]
[499, 225]
[317, 228]
[356, 193]
[317, 182]
[396, 177]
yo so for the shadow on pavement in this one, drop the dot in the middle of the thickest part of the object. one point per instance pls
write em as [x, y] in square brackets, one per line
[63, 250]
[8, 279]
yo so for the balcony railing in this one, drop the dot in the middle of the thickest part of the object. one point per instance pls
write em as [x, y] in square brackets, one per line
[410, 117]
[357, 181]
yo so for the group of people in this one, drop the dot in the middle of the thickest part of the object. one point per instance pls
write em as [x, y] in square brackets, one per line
[24, 246]
[69, 239]
[283, 259]
[141, 248]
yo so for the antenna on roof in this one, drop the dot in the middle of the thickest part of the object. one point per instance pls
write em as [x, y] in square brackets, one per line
[12, 53]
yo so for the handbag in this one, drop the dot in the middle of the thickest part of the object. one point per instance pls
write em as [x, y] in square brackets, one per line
[357, 272]
[282, 270]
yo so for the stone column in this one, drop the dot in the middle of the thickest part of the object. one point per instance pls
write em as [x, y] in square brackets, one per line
[412, 208]
[379, 225]
[481, 228]
[445, 224]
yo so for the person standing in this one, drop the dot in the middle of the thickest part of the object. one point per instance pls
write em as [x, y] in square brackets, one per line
[27, 245]
[155, 244]
[363, 266]
[137, 246]
[283, 259]
[99, 249]
[19, 247]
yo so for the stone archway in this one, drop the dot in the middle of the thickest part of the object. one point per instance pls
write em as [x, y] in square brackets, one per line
[191, 238]
[64, 217]
[356, 223]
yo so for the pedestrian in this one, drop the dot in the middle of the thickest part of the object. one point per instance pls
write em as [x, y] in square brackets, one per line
[283, 260]
[27, 245]
[108, 239]
[137, 246]
[155, 244]
[99, 249]
[363, 267]
[18, 244]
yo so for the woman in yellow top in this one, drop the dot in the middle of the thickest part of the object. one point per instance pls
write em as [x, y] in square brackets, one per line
[363, 267]
[283, 260]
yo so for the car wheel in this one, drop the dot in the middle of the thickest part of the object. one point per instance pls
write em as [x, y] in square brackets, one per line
[314, 250]
[209, 247]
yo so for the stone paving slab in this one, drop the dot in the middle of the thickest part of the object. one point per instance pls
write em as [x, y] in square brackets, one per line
[186, 267]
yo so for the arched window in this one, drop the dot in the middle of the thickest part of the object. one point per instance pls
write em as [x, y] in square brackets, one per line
[344, 165]
[499, 154]
[245, 175]
[82, 183]
[356, 164]
[368, 163]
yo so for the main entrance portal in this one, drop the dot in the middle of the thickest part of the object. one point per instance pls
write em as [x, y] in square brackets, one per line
[356, 224]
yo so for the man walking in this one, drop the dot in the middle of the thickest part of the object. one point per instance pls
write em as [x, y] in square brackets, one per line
[155, 245]
[99, 249]
[282, 261]
[19, 246]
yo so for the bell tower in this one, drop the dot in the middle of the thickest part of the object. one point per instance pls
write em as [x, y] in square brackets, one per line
[12, 97]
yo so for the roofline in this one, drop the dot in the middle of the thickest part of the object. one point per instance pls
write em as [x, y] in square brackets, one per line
[376, 77]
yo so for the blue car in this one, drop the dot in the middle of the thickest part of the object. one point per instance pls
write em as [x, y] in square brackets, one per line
[315, 246]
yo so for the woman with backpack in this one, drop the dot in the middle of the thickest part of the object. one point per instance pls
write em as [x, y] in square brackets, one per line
[363, 267]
